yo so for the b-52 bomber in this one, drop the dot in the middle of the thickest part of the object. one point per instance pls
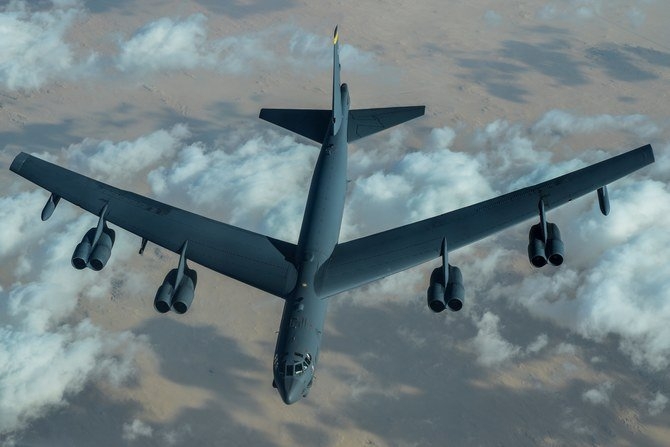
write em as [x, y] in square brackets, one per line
[319, 266]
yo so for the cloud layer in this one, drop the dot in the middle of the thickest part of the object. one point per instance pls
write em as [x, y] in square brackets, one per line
[615, 280]
[37, 52]
[569, 10]
[34, 51]
[44, 358]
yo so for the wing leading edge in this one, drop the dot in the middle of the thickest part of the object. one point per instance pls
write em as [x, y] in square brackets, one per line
[369, 258]
[259, 261]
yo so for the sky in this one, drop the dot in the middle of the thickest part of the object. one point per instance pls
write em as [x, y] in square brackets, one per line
[162, 98]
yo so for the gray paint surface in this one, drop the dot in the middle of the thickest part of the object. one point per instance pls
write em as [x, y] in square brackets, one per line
[317, 267]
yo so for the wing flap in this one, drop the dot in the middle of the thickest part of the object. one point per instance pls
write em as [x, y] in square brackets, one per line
[257, 260]
[363, 260]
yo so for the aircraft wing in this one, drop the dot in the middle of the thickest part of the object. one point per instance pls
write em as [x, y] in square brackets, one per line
[363, 260]
[254, 259]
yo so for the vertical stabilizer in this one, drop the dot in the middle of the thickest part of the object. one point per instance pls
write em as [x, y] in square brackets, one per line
[317, 125]
[337, 96]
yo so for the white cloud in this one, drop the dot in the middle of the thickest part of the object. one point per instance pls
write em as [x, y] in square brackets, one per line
[33, 51]
[168, 44]
[135, 430]
[539, 344]
[121, 161]
[657, 404]
[19, 215]
[584, 10]
[560, 123]
[508, 151]
[43, 359]
[309, 49]
[614, 281]
[599, 395]
[566, 9]
[491, 348]
[622, 284]
[38, 369]
[260, 183]
[567, 349]
[419, 185]
[183, 44]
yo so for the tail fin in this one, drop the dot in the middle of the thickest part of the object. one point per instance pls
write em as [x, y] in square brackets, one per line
[337, 96]
[314, 124]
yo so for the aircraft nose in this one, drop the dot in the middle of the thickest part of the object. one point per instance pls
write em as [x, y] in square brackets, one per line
[292, 391]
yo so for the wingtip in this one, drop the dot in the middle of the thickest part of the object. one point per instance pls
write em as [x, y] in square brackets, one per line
[18, 162]
[646, 153]
[650, 153]
[335, 36]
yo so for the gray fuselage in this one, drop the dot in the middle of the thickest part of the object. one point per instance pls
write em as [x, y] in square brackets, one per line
[301, 327]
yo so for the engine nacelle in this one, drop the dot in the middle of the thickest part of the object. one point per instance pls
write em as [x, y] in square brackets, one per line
[539, 252]
[536, 248]
[555, 249]
[454, 294]
[83, 250]
[177, 297]
[94, 256]
[435, 294]
[163, 300]
[102, 250]
[184, 297]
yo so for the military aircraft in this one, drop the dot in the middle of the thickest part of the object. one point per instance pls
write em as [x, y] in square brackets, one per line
[307, 274]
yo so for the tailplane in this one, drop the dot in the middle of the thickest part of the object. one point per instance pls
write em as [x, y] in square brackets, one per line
[310, 123]
[364, 122]
[315, 124]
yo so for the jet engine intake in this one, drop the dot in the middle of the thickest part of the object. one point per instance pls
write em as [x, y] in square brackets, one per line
[539, 252]
[536, 246]
[435, 294]
[178, 288]
[455, 292]
[83, 250]
[102, 250]
[555, 249]
[95, 255]
[452, 296]
[163, 300]
[184, 297]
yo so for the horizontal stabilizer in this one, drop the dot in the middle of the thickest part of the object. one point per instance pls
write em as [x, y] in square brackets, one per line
[364, 122]
[310, 123]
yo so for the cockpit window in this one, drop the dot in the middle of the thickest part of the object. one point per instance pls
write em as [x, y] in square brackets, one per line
[287, 368]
